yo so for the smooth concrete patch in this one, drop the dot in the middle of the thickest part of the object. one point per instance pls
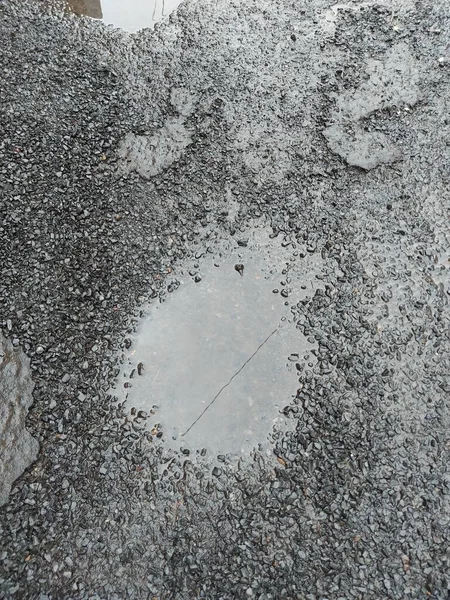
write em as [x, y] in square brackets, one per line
[150, 155]
[362, 149]
[391, 82]
[215, 364]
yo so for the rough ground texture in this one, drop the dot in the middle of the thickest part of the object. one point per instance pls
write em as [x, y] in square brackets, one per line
[17, 448]
[330, 123]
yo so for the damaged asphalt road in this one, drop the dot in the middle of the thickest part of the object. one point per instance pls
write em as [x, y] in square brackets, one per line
[330, 125]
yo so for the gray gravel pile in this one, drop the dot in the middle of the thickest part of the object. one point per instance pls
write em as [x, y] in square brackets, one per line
[18, 448]
[116, 153]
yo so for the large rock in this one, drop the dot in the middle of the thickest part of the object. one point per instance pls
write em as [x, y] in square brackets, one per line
[18, 449]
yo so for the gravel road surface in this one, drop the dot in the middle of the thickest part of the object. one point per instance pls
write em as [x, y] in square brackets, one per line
[119, 154]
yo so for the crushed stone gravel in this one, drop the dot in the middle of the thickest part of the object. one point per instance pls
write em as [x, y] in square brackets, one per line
[330, 123]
